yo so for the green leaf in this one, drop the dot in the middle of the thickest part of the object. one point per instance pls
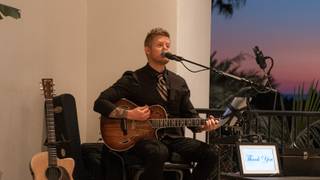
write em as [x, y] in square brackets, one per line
[9, 11]
[306, 102]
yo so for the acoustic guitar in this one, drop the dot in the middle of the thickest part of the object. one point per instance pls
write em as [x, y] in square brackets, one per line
[122, 134]
[46, 165]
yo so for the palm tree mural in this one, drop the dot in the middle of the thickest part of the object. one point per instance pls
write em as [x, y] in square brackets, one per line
[9, 11]
[310, 101]
[295, 134]
[223, 89]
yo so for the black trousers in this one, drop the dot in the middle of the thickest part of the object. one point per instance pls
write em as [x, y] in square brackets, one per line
[154, 153]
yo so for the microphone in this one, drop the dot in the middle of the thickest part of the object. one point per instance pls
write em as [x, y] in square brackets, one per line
[171, 56]
[261, 60]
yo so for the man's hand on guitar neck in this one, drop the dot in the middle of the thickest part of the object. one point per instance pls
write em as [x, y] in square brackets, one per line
[211, 124]
[139, 113]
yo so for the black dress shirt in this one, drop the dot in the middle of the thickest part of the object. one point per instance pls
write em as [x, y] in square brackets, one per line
[140, 88]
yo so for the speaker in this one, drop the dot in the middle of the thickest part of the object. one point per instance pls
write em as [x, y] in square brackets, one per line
[67, 133]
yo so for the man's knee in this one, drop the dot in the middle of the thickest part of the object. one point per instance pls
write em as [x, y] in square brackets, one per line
[157, 152]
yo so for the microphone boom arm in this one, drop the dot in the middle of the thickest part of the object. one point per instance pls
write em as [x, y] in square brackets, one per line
[244, 80]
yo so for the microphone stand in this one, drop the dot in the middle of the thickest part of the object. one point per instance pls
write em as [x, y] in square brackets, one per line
[244, 80]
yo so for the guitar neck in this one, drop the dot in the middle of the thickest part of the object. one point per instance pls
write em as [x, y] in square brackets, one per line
[52, 150]
[176, 122]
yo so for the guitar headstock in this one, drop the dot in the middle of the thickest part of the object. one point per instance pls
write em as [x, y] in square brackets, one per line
[47, 87]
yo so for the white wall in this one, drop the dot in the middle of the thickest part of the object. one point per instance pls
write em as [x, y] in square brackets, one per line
[48, 41]
[116, 44]
[116, 32]
[84, 46]
[193, 43]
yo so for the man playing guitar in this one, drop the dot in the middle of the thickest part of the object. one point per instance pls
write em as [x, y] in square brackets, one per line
[152, 85]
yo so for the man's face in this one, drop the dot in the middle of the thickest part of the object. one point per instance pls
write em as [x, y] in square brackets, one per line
[159, 44]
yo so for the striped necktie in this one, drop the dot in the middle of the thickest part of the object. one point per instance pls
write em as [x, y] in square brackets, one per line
[162, 88]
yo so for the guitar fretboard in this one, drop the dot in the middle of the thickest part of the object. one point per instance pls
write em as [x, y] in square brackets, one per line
[176, 122]
[52, 150]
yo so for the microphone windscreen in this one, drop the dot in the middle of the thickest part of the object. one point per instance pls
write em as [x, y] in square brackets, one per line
[166, 54]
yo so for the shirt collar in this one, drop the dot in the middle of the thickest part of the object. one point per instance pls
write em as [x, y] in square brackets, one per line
[155, 73]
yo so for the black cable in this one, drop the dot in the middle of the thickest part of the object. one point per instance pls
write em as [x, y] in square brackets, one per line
[267, 57]
[193, 70]
[275, 101]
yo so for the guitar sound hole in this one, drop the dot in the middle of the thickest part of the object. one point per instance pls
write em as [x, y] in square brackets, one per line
[57, 173]
[53, 173]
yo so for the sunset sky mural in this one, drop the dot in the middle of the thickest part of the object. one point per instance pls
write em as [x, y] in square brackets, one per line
[286, 30]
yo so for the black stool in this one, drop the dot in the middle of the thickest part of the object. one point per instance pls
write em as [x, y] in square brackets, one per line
[176, 166]
[132, 168]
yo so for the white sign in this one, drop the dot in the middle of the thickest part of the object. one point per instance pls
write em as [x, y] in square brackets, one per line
[259, 159]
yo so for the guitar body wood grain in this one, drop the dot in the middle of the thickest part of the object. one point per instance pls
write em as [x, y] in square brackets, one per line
[116, 139]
